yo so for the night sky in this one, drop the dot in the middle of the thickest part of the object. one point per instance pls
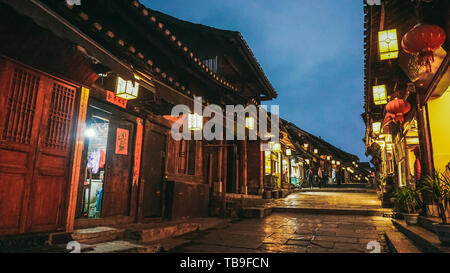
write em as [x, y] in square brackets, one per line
[311, 51]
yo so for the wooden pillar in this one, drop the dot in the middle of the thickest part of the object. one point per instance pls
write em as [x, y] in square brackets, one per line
[76, 164]
[262, 159]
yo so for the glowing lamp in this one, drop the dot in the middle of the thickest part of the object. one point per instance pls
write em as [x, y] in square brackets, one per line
[328, 158]
[379, 94]
[305, 145]
[90, 133]
[288, 152]
[316, 151]
[249, 123]
[126, 89]
[339, 162]
[376, 127]
[307, 161]
[333, 162]
[195, 122]
[388, 44]
[276, 147]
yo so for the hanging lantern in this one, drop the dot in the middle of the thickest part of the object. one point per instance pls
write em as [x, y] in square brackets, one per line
[306, 145]
[288, 152]
[379, 94]
[328, 158]
[388, 44]
[307, 161]
[126, 89]
[423, 40]
[316, 151]
[397, 108]
[250, 123]
[195, 122]
[338, 163]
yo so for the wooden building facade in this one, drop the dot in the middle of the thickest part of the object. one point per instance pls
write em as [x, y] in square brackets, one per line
[415, 144]
[75, 153]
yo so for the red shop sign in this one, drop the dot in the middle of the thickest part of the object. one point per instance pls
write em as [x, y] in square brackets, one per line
[112, 98]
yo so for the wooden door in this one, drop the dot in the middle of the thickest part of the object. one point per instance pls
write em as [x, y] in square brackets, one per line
[35, 143]
[119, 163]
[153, 171]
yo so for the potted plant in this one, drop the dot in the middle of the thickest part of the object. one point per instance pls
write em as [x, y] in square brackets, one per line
[407, 202]
[438, 186]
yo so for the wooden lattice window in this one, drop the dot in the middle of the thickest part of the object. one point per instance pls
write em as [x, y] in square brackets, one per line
[60, 120]
[21, 107]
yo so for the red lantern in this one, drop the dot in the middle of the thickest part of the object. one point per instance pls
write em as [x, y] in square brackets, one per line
[397, 108]
[423, 40]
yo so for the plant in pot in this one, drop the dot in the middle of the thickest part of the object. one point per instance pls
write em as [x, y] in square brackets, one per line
[438, 186]
[407, 203]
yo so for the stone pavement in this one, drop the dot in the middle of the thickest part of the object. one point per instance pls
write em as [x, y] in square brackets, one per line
[345, 199]
[301, 232]
[293, 233]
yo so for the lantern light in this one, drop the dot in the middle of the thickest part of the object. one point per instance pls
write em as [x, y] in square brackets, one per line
[376, 127]
[250, 123]
[388, 44]
[316, 151]
[306, 145]
[195, 122]
[379, 94]
[126, 89]
[276, 147]
[333, 162]
[339, 162]
[307, 161]
[328, 158]
[288, 152]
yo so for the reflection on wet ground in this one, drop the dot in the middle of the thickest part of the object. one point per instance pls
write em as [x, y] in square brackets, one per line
[300, 233]
[330, 200]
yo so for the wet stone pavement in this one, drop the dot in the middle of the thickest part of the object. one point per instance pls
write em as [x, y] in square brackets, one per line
[300, 232]
[293, 233]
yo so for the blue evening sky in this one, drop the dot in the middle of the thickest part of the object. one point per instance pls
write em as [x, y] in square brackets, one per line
[311, 51]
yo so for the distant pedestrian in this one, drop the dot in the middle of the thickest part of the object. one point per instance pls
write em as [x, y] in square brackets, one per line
[320, 175]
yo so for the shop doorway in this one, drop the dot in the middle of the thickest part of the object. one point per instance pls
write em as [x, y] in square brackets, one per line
[105, 188]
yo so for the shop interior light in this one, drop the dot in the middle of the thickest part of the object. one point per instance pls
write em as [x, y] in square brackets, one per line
[90, 132]
[195, 122]
[250, 123]
[376, 127]
[126, 89]
[379, 94]
[388, 44]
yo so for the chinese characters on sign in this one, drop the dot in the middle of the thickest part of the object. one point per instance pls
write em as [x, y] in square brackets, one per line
[112, 98]
[122, 141]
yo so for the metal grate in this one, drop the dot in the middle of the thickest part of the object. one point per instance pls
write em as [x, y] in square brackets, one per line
[21, 107]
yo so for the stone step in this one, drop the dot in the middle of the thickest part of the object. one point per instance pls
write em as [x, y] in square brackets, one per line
[399, 243]
[424, 239]
[256, 212]
[334, 211]
[119, 247]
[427, 223]
[91, 236]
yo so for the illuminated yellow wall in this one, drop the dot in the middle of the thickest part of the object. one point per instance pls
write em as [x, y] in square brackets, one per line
[439, 114]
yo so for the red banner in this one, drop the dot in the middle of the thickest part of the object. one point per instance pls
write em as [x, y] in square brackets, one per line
[138, 151]
[112, 98]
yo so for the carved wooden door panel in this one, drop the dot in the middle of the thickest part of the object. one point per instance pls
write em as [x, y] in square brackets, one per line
[35, 135]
